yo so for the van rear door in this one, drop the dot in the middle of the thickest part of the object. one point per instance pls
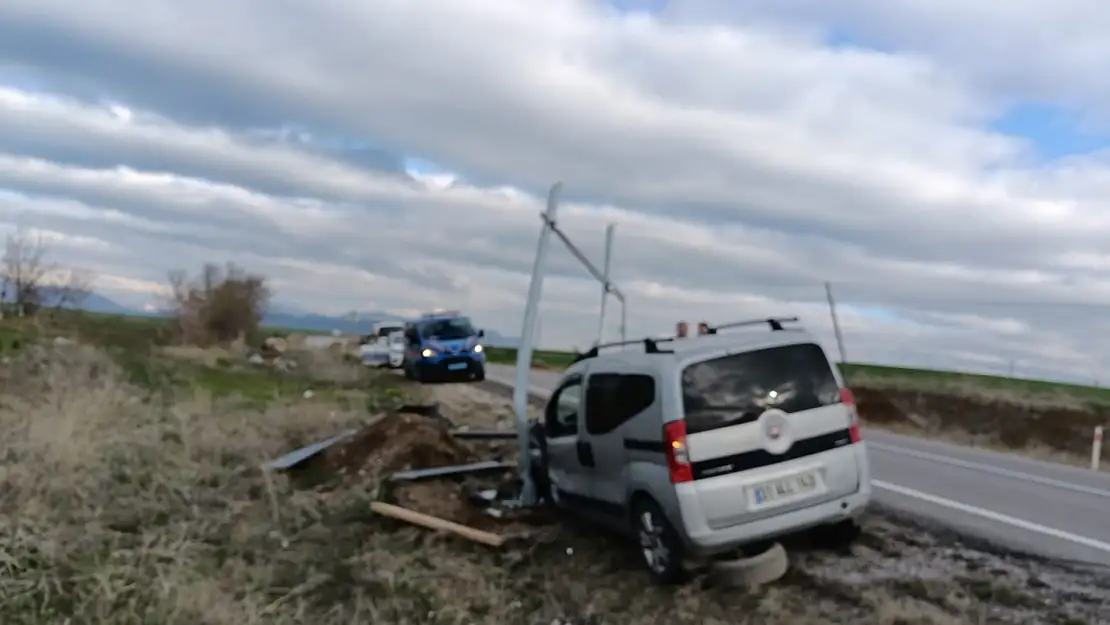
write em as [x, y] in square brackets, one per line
[766, 432]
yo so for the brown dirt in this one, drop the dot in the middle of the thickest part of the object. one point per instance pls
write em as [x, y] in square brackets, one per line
[1012, 423]
[209, 539]
[398, 442]
[449, 500]
[900, 573]
[403, 441]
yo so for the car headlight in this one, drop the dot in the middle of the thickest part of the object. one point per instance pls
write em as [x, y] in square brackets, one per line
[428, 353]
[478, 349]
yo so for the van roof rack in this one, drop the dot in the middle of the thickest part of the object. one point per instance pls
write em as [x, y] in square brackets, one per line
[774, 322]
[651, 346]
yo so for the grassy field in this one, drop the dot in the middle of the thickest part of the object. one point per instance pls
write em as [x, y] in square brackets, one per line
[127, 336]
[880, 375]
[131, 493]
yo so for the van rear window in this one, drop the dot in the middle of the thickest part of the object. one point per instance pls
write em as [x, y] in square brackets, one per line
[736, 389]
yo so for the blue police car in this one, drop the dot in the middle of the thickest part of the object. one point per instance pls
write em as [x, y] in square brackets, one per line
[441, 345]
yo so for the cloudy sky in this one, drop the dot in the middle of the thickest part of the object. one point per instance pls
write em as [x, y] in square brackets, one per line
[943, 164]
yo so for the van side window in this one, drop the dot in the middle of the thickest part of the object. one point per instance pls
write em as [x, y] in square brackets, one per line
[561, 416]
[612, 399]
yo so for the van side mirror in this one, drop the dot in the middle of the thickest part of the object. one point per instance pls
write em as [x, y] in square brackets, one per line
[481, 333]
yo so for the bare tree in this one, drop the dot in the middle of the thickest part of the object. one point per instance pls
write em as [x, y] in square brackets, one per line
[23, 269]
[179, 287]
[219, 305]
[74, 288]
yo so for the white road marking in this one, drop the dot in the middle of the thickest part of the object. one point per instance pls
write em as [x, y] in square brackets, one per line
[986, 468]
[994, 516]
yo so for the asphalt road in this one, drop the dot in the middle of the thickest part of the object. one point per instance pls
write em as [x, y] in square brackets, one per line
[1047, 509]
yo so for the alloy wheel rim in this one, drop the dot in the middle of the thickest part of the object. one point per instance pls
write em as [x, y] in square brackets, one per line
[655, 551]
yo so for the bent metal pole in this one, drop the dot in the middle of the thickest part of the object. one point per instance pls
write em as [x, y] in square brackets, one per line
[524, 352]
[605, 283]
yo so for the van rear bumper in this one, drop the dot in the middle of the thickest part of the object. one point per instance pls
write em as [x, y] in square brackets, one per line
[705, 541]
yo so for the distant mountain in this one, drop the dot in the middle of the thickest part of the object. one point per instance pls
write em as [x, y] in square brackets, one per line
[51, 296]
[100, 304]
[279, 316]
[311, 322]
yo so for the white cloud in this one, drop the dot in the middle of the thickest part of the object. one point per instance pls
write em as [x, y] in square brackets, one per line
[745, 164]
[1014, 49]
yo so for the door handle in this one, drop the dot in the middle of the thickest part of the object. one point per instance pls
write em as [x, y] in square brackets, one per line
[585, 453]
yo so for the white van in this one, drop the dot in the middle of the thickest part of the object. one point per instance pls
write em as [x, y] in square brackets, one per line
[384, 346]
[707, 445]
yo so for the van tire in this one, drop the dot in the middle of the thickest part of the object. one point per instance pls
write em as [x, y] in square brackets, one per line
[541, 479]
[658, 543]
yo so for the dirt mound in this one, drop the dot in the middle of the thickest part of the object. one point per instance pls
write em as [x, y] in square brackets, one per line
[450, 500]
[1013, 423]
[402, 441]
[875, 406]
[397, 442]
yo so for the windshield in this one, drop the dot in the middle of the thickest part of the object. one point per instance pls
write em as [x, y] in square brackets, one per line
[388, 330]
[737, 389]
[448, 329]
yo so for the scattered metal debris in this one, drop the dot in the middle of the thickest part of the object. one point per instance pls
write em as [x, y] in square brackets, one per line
[491, 435]
[489, 466]
[298, 456]
[496, 503]
[484, 497]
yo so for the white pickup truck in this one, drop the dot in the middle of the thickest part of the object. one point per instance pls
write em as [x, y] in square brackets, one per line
[384, 346]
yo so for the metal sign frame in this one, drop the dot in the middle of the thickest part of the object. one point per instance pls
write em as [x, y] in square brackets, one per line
[531, 315]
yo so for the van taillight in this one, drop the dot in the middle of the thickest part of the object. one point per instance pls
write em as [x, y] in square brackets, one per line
[678, 459]
[849, 402]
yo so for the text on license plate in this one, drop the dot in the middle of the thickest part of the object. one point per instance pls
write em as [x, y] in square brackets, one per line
[784, 488]
[456, 366]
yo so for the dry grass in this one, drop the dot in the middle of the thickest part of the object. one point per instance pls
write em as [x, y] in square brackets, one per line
[124, 506]
[120, 509]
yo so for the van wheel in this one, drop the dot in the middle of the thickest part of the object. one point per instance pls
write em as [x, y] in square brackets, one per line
[659, 544]
[541, 479]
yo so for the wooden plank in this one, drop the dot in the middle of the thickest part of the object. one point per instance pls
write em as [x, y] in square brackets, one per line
[436, 523]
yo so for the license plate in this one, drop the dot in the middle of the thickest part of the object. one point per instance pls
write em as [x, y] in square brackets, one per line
[456, 366]
[785, 488]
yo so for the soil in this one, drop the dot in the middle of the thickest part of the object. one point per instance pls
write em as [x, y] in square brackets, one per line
[422, 440]
[900, 571]
[398, 442]
[1013, 423]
